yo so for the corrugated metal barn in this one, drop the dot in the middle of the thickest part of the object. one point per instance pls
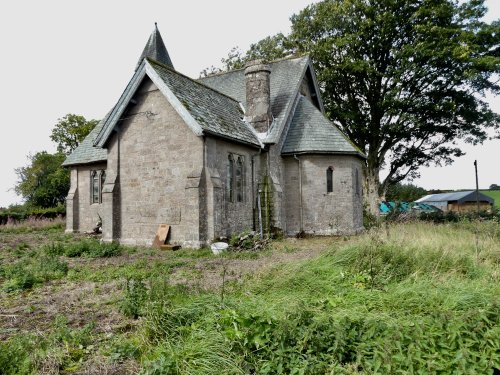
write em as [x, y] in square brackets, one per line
[462, 201]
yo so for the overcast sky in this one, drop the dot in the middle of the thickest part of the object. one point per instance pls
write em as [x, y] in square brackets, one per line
[61, 56]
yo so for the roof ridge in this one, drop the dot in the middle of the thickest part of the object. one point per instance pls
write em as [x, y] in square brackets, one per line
[290, 57]
[289, 108]
[191, 79]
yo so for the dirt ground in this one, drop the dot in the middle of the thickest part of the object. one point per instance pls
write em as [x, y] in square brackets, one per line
[82, 302]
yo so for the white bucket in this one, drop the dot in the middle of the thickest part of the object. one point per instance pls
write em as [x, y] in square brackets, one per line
[218, 247]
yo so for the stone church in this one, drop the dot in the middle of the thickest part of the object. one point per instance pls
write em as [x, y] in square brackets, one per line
[249, 149]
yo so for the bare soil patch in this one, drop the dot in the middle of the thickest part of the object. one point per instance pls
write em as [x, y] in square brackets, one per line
[82, 302]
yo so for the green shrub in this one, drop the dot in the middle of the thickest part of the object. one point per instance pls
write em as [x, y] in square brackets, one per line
[15, 355]
[123, 349]
[92, 249]
[51, 268]
[135, 297]
[313, 342]
[19, 282]
[21, 213]
[78, 343]
[54, 249]
[26, 273]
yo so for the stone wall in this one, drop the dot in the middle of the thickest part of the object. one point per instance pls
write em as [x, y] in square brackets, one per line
[157, 166]
[337, 212]
[229, 217]
[82, 215]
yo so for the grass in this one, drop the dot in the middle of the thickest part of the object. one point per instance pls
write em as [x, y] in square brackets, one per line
[495, 194]
[412, 298]
[34, 224]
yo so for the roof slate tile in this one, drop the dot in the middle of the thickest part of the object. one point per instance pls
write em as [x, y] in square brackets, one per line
[310, 131]
[215, 112]
[86, 152]
[285, 79]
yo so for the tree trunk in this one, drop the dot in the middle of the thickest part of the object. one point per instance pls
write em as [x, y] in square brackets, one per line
[371, 191]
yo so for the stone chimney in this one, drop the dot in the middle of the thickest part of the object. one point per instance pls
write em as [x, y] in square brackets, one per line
[258, 95]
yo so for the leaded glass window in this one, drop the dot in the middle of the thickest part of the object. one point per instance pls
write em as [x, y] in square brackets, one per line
[239, 179]
[230, 178]
[329, 180]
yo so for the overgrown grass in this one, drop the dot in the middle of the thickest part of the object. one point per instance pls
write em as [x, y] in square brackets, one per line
[34, 224]
[62, 351]
[29, 272]
[37, 266]
[89, 248]
[417, 298]
[409, 298]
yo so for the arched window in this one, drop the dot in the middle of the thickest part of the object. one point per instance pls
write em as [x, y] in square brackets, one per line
[94, 187]
[239, 179]
[235, 182]
[357, 186]
[97, 179]
[329, 180]
[230, 178]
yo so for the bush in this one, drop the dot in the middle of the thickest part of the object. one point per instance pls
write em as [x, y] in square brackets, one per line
[51, 268]
[453, 217]
[135, 297]
[121, 350]
[16, 214]
[15, 355]
[312, 342]
[28, 272]
[87, 248]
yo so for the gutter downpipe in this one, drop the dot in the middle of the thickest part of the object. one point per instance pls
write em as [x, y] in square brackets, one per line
[300, 194]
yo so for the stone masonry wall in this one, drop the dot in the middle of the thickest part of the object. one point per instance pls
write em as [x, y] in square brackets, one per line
[83, 214]
[229, 217]
[160, 165]
[338, 212]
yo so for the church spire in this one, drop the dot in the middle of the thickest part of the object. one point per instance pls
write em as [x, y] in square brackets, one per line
[155, 49]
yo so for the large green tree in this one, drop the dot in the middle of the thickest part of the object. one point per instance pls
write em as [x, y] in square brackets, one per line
[404, 79]
[44, 182]
[70, 130]
[404, 192]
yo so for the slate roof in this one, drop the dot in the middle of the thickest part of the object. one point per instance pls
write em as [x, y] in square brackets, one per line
[311, 132]
[214, 104]
[459, 196]
[86, 152]
[286, 77]
[216, 113]
[155, 49]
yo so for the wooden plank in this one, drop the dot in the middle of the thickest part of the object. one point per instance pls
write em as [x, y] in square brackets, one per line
[161, 236]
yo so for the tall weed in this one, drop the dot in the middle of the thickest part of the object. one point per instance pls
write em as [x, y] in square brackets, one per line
[28, 272]
[89, 248]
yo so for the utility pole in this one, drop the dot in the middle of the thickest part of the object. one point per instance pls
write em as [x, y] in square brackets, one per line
[477, 188]
[477, 221]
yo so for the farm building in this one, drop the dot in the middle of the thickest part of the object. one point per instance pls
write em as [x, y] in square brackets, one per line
[461, 201]
[249, 149]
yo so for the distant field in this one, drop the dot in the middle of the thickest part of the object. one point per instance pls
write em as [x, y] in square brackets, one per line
[495, 194]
